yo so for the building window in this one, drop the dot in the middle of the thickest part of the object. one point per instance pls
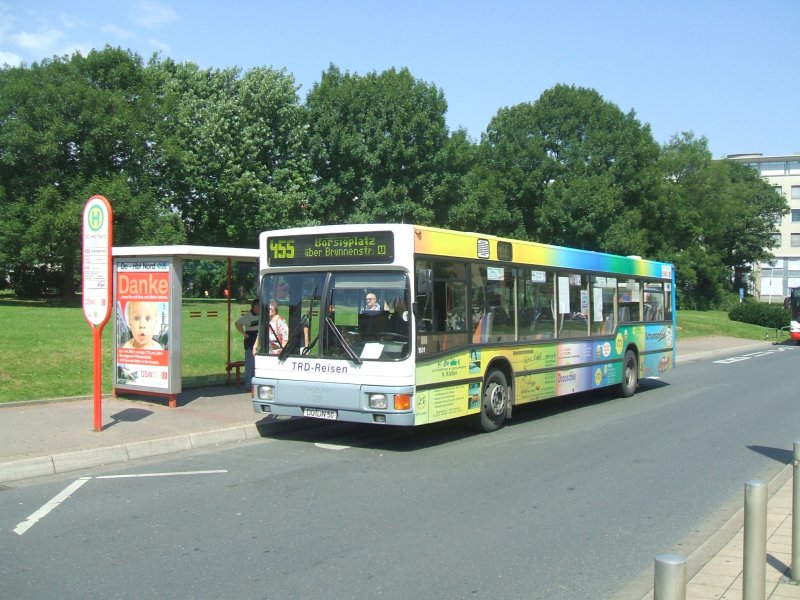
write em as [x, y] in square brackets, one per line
[778, 189]
[796, 215]
[794, 167]
[796, 192]
[773, 168]
[795, 240]
[776, 240]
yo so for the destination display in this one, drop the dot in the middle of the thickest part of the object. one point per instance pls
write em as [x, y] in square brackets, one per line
[331, 249]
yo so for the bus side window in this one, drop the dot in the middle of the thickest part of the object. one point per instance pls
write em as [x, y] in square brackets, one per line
[479, 318]
[653, 302]
[536, 300]
[604, 290]
[442, 314]
[630, 297]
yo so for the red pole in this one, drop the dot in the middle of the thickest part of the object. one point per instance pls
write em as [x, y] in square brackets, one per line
[228, 329]
[98, 376]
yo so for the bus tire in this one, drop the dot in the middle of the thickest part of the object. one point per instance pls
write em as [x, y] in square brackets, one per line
[494, 402]
[630, 375]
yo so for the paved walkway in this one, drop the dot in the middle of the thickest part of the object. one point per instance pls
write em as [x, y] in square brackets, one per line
[715, 569]
[56, 436]
[721, 577]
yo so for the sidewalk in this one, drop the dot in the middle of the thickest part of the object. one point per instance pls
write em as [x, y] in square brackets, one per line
[56, 436]
[721, 577]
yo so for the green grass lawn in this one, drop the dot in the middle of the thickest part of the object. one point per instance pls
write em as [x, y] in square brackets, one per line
[693, 323]
[46, 349]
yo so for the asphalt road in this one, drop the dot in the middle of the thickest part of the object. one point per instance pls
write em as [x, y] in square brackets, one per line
[571, 500]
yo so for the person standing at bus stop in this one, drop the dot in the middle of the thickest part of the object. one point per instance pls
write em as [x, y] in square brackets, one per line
[247, 325]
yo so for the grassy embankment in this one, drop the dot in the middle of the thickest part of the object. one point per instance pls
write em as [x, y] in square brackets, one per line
[46, 348]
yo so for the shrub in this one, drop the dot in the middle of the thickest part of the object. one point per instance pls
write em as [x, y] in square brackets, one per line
[773, 316]
[728, 301]
[34, 282]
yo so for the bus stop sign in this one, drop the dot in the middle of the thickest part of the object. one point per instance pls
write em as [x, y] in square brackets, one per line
[97, 239]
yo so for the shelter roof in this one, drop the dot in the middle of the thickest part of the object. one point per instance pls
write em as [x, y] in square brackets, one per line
[190, 252]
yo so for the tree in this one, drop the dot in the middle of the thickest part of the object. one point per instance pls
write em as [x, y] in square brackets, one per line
[599, 172]
[234, 159]
[574, 170]
[508, 185]
[70, 127]
[501, 191]
[719, 218]
[754, 210]
[379, 148]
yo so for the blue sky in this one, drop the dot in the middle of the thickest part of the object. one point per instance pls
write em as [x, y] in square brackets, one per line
[726, 70]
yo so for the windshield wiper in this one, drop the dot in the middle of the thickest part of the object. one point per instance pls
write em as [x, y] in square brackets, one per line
[343, 342]
[297, 332]
[309, 319]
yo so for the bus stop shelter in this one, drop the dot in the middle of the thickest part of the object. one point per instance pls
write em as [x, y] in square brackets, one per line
[148, 292]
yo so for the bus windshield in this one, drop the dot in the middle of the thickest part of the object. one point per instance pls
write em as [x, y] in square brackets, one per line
[794, 305]
[354, 316]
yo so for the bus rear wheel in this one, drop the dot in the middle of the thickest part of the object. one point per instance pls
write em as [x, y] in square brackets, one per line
[494, 403]
[630, 375]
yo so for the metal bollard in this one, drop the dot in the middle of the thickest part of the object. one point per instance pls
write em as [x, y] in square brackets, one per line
[796, 515]
[670, 577]
[755, 540]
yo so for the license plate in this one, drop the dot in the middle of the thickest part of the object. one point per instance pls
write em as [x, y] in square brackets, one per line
[320, 413]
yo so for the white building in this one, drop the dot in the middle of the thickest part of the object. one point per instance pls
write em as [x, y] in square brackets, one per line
[774, 280]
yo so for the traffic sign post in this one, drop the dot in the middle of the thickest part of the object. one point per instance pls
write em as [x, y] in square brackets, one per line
[97, 241]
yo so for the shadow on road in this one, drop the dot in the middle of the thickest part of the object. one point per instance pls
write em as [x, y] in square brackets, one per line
[780, 455]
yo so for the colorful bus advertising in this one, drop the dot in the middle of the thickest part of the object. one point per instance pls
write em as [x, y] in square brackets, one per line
[401, 324]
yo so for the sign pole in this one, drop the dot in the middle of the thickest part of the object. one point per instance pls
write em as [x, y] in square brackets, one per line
[97, 241]
[97, 377]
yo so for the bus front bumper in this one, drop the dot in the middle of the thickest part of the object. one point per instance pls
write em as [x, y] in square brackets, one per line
[332, 401]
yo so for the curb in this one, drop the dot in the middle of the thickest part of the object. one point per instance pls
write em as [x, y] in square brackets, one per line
[25, 468]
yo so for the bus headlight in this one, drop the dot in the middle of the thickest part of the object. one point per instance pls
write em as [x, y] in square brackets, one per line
[266, 392]
[379, 401]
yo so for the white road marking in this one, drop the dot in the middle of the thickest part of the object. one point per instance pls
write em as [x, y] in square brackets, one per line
[330, 446]
[43, 512]
[161, 474]
[71, 488]
[749, 355]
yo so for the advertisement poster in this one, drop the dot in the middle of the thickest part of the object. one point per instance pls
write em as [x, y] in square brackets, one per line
[143, 328]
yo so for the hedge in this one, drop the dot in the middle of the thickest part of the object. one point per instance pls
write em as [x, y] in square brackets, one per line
[773, 316]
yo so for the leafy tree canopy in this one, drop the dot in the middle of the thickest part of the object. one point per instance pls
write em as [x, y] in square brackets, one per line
[379, 147]
[211, 156]
[234, 151]
[67, 122]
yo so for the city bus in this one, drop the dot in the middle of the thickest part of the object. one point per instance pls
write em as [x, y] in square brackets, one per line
[794, 308]
[458, 324]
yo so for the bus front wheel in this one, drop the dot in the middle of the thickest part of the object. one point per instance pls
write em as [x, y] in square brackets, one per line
[630, 375]
[494, 403]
